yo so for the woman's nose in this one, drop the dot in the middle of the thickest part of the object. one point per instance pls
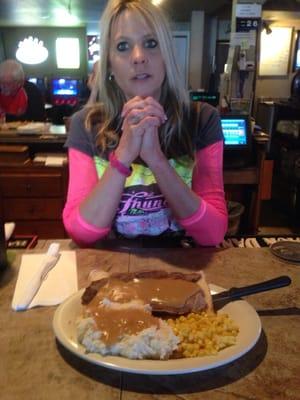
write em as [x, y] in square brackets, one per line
[139, 55]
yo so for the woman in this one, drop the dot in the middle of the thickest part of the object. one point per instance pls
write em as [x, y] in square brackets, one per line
[142, 162]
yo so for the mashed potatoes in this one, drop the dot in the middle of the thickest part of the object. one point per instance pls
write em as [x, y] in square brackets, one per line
[154, 342]
[193, 335]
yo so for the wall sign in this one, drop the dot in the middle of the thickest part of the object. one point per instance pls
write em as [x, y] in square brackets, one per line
[31, 51]
[247, 24]
[248, 10]
[275, 52]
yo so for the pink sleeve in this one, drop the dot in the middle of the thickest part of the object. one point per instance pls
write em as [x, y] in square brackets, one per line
[82, 179]
[208, 224]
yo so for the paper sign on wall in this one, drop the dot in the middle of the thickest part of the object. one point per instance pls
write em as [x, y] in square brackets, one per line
[275, 51]
[248, 10]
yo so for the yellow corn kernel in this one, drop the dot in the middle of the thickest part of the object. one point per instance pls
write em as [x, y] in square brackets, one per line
[203, 333]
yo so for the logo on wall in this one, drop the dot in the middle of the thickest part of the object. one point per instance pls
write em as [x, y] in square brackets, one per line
[31, 51]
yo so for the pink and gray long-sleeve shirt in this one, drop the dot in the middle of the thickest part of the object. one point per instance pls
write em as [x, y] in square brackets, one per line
[143, 209]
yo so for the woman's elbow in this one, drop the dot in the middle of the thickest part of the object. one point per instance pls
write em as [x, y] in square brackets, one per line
[80, 232]
[213, 234]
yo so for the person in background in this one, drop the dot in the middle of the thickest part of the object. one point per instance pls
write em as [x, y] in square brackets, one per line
[20, 100]
[143, 161]
[92, 84]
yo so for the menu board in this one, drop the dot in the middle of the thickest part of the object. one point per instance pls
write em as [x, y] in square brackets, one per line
[275, 51]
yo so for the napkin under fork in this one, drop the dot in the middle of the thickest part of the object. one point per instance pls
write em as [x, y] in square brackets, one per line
[60, 282]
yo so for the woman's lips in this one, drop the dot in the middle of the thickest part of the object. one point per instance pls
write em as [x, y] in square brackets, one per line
[141, 77]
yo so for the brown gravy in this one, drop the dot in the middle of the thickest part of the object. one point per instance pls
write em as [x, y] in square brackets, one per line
[114, 323]
[173, 292]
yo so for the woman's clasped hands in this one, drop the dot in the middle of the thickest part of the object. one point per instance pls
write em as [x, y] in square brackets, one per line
[141, 119]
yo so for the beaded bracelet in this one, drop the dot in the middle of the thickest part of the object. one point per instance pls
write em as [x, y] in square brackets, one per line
[115, 163]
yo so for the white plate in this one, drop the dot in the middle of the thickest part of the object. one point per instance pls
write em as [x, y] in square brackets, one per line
[240, 311]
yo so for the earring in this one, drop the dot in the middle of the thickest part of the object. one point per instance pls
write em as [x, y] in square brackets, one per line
[111, 77]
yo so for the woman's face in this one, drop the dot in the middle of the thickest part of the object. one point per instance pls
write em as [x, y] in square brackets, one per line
[135, 57]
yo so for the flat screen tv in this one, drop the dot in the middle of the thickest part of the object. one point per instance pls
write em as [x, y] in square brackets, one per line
[39, 82]
[237, 139]
[65, 87]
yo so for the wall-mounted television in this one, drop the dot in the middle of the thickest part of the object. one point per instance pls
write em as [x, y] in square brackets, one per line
[64, 87]
[64, 91]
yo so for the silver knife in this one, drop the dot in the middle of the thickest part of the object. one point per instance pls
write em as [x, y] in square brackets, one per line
[33, 286]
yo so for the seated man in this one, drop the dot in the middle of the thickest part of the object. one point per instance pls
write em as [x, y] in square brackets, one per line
[20, 100]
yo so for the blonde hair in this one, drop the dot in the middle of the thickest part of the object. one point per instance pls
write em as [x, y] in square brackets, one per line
[173, 137]
[13, 69]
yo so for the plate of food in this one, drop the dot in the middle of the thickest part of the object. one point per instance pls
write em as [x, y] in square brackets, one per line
[31, 127]
[13, 125]
[155, 322]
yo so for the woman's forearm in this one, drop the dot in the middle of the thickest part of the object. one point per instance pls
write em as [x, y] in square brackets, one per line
[100, 206]
[85, 201]
[202, 210]
[209, 223]
[180, 197]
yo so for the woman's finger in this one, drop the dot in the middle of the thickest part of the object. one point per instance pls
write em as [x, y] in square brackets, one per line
[136, 115]
[140, 103]
[135, 102]
[139, 127]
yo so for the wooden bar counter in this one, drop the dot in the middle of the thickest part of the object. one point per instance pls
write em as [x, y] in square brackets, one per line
[35, 366]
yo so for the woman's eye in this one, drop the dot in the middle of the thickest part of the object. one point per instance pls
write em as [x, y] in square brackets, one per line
[151, 43]
[122, 46]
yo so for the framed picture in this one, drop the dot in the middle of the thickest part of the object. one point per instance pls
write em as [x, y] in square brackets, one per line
[275, 48]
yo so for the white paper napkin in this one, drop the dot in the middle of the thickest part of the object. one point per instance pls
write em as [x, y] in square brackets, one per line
[9, 228]
[60, 283]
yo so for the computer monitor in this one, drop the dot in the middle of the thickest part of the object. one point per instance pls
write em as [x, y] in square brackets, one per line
[237, 139]
[39, 82]
[33, 80]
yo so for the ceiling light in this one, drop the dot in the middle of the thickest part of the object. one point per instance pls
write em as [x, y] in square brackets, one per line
[62, 16]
